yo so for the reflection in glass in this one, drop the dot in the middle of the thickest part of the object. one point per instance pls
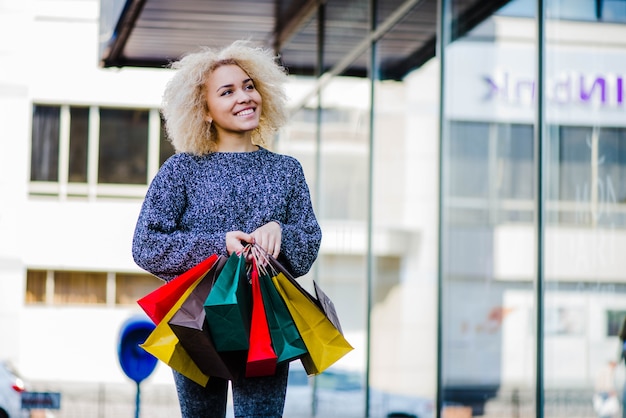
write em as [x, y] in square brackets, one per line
[404, 203]
[584, 272]
[488, 217]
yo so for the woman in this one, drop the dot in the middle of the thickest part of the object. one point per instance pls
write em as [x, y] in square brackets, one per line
[223, 190]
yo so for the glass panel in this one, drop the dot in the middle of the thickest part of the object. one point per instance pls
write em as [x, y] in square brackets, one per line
[79, 139]
[35, 286]
[585, 279]
[336, 171]
[487, 214]
[613, 10]
[131, 287]
[75, 287]
[299, 139]
[44, 157]
[344, 148]
[342, 205]
[123, 146]
[515, 167]
[403, 315]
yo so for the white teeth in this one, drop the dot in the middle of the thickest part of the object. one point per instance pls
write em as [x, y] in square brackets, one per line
[245, 112]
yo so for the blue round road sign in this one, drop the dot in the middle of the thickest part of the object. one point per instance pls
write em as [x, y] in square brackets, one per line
[137, 363]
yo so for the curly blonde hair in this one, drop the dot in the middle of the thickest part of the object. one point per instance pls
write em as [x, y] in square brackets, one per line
[184, 101]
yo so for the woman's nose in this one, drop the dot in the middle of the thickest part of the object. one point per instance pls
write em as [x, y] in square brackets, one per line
[243, 96]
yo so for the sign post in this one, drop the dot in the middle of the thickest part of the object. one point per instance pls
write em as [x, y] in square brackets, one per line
[136, 363]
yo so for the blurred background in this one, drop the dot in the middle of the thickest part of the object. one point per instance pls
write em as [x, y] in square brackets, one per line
[465, 162]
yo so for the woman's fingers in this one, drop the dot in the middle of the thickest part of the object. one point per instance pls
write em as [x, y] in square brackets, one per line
[269, 238]
[235, 240]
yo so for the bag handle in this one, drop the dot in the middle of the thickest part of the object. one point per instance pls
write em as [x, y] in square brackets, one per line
[262, 259]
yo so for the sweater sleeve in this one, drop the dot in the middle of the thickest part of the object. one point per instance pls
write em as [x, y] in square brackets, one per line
[160, 245]
[301, 233]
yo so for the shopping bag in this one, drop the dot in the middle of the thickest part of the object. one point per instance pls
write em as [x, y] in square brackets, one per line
[324, 341]
[321, 299]
[262, 358]
[164, 345]
[327, 306]
[286, 339]
[227, 307]
[157, 303]
[189, 325]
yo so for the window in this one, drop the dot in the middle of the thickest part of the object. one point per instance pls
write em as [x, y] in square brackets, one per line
[491, 159]
[91, 151]
[166, 149]
[131, 287]
[591, 174]
[44, 157]
[514, 163]
[73, 287]
[55, 287]
[614, 322]
[492, 173]
[79, 142]
[575, 10]
[36, 286]
[123, 146]
[469, 151]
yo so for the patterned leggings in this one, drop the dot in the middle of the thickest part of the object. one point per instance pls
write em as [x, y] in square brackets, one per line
[252, 397]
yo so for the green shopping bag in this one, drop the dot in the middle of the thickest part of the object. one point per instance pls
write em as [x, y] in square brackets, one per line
[228, 306]
[286, 339]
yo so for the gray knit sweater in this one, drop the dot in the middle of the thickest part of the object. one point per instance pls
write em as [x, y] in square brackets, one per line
[194, 201]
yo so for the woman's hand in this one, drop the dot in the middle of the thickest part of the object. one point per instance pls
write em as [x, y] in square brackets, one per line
[268, 237]
[234, 241]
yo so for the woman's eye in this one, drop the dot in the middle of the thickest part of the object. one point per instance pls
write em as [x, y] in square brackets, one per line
[249, 87]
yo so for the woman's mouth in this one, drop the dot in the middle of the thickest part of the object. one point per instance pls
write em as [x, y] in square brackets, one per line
[245, 112]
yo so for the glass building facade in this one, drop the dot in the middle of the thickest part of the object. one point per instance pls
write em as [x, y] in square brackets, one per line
[472, 207]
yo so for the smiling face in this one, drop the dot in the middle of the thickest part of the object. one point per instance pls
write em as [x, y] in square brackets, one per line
[233, 103]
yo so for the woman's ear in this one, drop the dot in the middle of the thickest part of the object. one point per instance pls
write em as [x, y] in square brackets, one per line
[207, 113]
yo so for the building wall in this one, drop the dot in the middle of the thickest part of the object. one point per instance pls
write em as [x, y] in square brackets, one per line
[53, 59]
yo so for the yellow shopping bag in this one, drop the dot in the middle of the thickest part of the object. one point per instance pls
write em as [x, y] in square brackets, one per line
[324, 341]
[163, 344]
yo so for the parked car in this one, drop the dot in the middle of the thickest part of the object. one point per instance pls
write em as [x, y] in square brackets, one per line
[341, 393]
[11, 387]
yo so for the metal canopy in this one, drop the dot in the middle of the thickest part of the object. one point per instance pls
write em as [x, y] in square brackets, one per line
[153, 33]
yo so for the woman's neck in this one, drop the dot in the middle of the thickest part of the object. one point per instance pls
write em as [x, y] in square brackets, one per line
[235, 144]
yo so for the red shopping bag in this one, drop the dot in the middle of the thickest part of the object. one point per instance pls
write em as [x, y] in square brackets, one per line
[158, 303]
[262, 358]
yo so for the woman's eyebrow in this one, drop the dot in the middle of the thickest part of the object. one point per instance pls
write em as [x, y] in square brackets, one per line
[228, 86]
[225, 86]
